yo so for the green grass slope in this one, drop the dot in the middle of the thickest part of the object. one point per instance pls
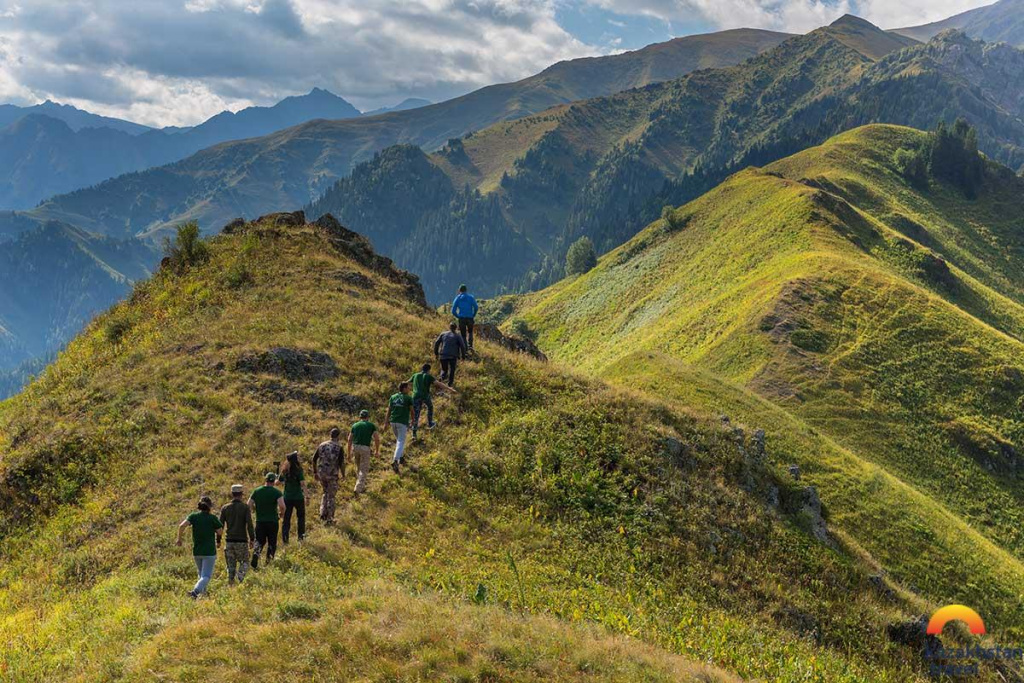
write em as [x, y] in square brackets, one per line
[881, 319]
[553, 528]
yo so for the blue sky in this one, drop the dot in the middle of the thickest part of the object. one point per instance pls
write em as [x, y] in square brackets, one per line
[177, 62]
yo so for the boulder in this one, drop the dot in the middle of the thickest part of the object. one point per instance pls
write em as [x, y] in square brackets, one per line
[295, 364]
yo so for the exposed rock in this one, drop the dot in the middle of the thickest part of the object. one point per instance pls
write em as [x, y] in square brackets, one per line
[878, 582]
[798, 620]
[806, 506]
[359, 248]
[292, 219]
[234, 226]
[912, 633]
[519, 344]
[679, 453]
[794, 471]
[351, 277]
[276, 392]
[757, 445]
[292, 364]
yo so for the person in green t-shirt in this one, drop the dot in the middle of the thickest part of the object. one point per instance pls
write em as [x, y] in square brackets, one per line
[398, 416]
[206, 533]
[422, 381]
[294, 496]
[267, 502]
[362, 435]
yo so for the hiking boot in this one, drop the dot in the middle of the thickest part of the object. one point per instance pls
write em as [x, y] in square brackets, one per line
[394, 466]
[193, 595]
[255, 561]
[432, 425]
[231, 581]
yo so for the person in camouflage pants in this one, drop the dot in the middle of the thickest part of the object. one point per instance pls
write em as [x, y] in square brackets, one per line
[237, 520]
[328, 467]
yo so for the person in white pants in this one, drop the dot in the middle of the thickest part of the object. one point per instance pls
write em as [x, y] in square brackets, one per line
[399, 416]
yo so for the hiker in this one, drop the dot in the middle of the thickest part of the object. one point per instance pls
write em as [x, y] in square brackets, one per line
[328, 465]
[206, 533]
[448, 348]
[240, 535]
[267, 502]
[363, 433]
[399, 408]
[464, 309]
[294, 496]
[422, 381]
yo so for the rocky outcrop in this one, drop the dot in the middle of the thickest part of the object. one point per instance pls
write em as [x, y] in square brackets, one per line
[294, 364]
[350, 243]
[518, 344]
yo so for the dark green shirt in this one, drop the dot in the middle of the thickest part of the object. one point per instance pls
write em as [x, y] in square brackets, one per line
[204, 533]
[362, 432]
[401, 405]
[421, 383]
[266, 498]
[293, 485]
[237, 520]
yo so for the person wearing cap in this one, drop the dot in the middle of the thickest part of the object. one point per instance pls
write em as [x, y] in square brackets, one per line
[448, 348]
[464, 308]
[206, 534]
[294, 496]
[363, 433]
[268, 503]
[399, 416]
[239, 535]
[328, 467]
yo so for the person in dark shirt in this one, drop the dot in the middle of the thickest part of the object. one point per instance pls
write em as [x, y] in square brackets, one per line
[268, 503]
[294, 496]
[206, 533]
[422, 381]
[448, 348]
[239, 535]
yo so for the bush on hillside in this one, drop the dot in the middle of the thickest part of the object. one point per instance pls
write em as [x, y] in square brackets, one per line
[187, 249]
[581, 257]
[911, 163]
[672, 219]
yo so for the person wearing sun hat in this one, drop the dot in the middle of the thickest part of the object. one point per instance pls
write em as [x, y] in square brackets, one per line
[267, 502]
[239, 535]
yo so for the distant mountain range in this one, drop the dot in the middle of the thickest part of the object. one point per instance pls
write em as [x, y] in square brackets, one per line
[404, 105]
[293, 166]
[1002, 22]
[51, 149]
[53, 279]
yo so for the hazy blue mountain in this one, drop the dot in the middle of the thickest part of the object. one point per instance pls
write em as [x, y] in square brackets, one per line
[75, 118]
[405, 105]
[53, 279]
[49, 150]
[1002, 22]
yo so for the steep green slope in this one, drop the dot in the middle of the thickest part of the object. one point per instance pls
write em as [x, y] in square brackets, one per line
[547, 513]
[885, 317]
[290, 167]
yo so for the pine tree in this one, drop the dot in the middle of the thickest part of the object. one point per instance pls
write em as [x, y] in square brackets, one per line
[581, 257]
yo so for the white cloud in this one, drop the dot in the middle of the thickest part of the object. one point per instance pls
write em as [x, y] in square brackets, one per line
[796, 16]
[177, 62]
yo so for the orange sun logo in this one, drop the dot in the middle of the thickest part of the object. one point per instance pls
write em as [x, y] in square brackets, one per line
[950, 613]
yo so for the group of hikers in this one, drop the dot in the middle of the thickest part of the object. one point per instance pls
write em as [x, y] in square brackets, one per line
[248, 527]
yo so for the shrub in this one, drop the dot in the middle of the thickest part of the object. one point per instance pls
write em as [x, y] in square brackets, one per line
[912, 164]
[581, 257]
[673, 221]
[187, 249]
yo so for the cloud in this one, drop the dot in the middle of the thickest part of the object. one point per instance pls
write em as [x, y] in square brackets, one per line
[177, 62]
[796, 16]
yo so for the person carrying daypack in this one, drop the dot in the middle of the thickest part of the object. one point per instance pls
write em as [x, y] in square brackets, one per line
[448, 348]
[328, 467]
[422, 381]
[465, 308]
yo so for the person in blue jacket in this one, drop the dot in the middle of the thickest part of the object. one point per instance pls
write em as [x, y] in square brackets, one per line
[464, 308]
